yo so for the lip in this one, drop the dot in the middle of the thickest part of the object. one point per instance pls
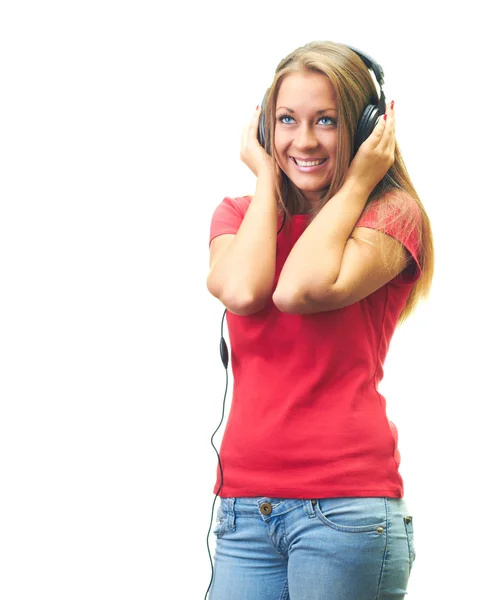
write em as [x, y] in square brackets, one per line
[308, 169]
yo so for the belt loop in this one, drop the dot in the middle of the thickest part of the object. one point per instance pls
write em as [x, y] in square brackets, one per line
[232, 514]
[309, 506]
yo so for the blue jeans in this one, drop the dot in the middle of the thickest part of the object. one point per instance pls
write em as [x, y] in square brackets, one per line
[324, 549]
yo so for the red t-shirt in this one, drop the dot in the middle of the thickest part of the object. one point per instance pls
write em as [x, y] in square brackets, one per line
[307, 420]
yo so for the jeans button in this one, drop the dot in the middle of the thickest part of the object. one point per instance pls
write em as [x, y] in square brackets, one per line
[265, 508]
[380, 529]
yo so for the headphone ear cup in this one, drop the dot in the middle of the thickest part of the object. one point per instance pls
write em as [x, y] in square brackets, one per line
[366, 124]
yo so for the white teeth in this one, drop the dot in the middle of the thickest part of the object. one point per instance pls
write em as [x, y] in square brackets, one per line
[308, 163]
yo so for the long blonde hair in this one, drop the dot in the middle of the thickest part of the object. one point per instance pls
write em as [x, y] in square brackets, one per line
[354, 88]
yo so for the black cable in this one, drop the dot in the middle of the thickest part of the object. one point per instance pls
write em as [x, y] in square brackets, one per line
[224, 355]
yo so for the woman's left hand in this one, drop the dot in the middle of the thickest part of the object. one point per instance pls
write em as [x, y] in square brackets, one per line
[375, 155]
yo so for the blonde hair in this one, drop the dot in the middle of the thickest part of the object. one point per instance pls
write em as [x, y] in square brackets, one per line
[354, 88]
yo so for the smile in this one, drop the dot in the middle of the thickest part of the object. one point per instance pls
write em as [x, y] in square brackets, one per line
[308, 166]
[308, 163]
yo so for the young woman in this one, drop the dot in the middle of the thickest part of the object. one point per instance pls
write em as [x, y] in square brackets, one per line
[315, 271]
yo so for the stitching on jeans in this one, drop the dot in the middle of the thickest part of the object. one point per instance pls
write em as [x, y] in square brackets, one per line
[280, 529]
[387, 530]
[411, 551]
[285, 539]
[285, 594]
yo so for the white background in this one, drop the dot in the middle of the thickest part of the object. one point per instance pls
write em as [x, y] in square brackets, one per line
[120, 131]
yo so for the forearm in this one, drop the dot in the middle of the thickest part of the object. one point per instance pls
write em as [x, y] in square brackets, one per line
[315, 260]
[245, 273]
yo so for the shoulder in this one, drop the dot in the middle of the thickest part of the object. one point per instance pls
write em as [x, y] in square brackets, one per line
[394, 205]
[228, 215]
[398, 215]
[238, 204]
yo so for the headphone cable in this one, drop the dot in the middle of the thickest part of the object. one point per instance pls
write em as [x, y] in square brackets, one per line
[224, 355]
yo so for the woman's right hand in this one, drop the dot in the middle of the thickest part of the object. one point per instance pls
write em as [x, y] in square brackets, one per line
[252, 153]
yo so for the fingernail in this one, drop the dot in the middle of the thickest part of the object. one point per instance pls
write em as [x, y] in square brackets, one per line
[392, 104]
[384, 116]
[257, 107]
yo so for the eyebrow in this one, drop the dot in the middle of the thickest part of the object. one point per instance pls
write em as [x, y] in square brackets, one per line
[319, 112]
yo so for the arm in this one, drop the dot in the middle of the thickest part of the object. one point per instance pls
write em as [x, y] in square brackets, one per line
[242, 266]
[363, 271]
[333, 265]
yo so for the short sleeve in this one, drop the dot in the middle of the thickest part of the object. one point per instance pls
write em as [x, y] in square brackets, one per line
[400, 220]
[228, 216]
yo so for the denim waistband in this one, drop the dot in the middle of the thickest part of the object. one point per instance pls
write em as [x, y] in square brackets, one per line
[251, 506]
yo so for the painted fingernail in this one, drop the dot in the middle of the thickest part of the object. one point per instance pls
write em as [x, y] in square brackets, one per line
[257, 107]
[384, 116]
[392, 104]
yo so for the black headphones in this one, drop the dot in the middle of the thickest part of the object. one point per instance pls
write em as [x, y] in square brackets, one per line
[368, 119]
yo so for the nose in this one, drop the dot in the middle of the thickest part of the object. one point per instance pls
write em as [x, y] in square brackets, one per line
[306, 138]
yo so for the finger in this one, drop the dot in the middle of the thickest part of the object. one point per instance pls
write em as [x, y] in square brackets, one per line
[386, 145]
[255, 119]
[249, 136]
[378, 132]
[244, 135]
[251, 128]
[390, 128]
[385, 129]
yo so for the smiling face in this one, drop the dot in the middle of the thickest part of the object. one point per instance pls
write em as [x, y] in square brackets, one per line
[306, 132]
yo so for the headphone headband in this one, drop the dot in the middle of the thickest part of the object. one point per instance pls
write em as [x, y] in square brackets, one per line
[371, 64]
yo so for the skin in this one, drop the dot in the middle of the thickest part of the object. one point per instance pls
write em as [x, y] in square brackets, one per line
[312, 137]
[302, 133]
[334, 263]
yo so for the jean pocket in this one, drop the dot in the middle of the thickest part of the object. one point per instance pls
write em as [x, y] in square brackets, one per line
[353, 515]
[220, 522]
[408, 522]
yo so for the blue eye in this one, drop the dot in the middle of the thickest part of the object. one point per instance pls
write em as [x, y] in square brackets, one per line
[283, 117]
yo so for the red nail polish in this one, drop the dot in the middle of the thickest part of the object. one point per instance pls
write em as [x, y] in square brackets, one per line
[392, 104]
[257, 107]
[384, 116]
